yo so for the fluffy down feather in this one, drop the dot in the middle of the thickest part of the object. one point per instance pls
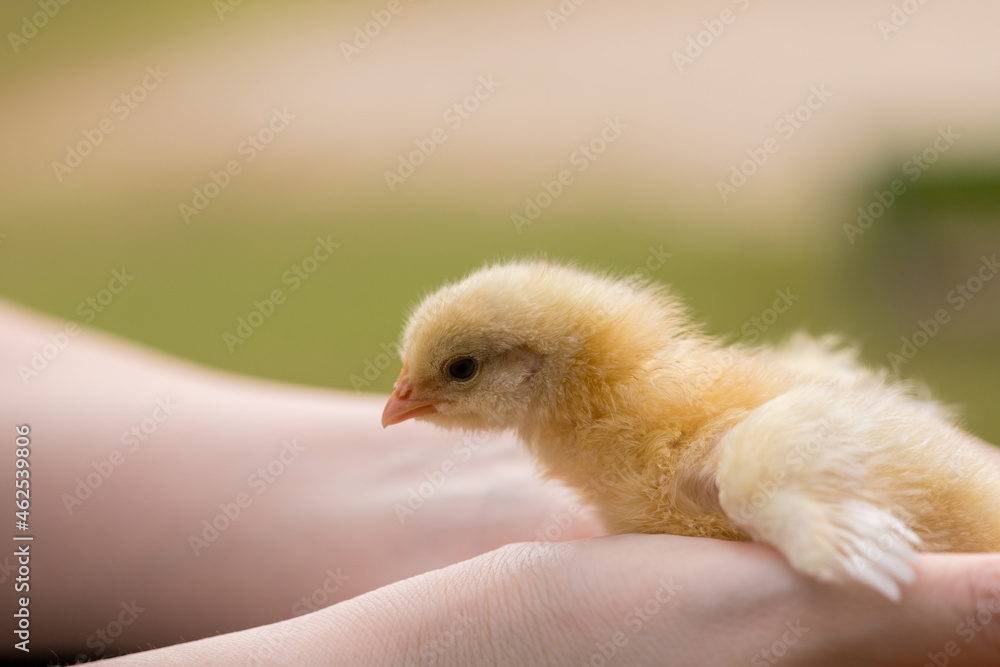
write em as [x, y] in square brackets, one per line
[666, 430]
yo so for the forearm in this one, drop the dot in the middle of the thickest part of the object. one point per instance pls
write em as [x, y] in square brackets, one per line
[443, 617]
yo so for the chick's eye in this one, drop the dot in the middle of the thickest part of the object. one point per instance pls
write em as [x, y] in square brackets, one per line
[463, 368]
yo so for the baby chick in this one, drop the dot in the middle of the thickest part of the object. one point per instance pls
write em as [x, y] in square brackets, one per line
[667, 430]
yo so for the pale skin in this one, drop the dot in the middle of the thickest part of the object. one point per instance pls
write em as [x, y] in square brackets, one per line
[463, 580]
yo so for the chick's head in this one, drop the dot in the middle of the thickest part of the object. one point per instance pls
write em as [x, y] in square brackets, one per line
[473, 355]
[511, 344]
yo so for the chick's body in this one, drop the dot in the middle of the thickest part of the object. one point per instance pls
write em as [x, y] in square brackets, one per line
[666, 430]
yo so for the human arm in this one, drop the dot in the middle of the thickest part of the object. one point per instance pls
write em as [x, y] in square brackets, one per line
[330, 514]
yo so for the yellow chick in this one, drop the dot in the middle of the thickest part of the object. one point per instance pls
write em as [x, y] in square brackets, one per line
[667, 430]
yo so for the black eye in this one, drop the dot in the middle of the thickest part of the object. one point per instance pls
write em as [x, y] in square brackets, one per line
[462, 368]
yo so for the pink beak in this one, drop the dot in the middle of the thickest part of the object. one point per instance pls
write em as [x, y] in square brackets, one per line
[402, 405]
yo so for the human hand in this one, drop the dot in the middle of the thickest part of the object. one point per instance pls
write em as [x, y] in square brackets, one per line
[672, 599]
[659, 599]
[634, 600]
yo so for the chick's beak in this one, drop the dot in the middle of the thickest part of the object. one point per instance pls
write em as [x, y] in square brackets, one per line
[402, 405]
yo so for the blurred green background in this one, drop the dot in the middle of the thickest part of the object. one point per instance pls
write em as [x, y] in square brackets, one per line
[656, 187]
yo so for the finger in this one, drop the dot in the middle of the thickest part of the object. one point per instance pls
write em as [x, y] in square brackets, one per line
[950, 616]
[645, 599]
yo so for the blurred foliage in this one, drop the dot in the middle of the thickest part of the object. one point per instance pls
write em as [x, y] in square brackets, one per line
[193, 283]
[923, 242]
